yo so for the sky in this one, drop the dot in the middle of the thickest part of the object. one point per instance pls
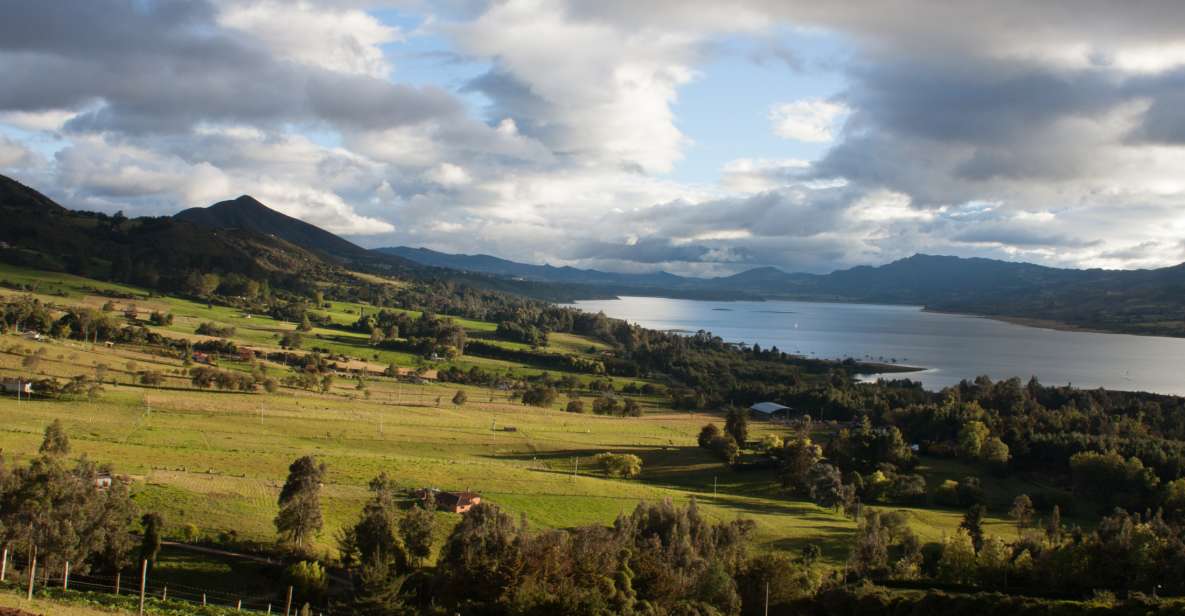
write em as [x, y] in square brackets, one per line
[692, 136]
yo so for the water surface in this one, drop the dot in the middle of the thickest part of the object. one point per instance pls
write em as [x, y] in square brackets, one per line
[949, 347]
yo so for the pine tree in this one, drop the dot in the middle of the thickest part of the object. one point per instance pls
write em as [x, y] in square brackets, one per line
[300, 501]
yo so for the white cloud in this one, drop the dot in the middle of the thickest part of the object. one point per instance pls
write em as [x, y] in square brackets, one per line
[13, 154]
[335, 38]
[448, 174]
[811, 120]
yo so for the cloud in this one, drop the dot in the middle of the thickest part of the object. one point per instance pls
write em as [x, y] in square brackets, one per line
[13, 154]
[810, 120]
[554, 132]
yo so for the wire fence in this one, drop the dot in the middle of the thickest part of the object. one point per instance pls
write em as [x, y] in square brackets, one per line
[138, 591]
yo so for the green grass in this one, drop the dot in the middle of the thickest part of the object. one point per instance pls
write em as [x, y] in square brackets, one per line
[217, 460]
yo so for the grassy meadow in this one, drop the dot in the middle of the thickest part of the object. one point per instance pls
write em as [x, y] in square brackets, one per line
[216, 460]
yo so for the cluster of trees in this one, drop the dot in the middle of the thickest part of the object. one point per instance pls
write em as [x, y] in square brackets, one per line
[58, 509]
[213, 329]
[1126, 552]
[205, 377]
[660, 559]
[428, 334]
[519, 332]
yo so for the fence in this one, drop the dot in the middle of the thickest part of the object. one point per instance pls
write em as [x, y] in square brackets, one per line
[135, 591]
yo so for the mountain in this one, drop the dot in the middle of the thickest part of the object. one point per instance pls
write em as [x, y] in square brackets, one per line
[157, 252]
[247, 213]
[1135, 301]
[17, 196]
[245, 237]
[487, 264]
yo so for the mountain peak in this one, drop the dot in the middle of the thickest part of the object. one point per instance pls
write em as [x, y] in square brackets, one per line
[247, 212]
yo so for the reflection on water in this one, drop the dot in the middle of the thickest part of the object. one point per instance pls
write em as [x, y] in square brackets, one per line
[950, 347]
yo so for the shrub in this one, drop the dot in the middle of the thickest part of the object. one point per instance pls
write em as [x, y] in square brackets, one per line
[213, 329]
[575, 406]
[309, 580]
[625, 465]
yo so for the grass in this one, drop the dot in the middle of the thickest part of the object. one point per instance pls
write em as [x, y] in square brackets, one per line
[217, 460]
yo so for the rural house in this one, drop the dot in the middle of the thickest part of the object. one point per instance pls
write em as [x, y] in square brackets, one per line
[12, 385]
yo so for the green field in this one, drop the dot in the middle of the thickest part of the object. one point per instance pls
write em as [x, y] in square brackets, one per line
[217, 460]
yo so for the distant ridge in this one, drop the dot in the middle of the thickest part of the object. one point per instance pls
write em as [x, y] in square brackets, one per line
[245, 236]
[487, 264]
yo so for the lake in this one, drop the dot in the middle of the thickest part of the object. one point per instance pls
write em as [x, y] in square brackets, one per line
[950, 347]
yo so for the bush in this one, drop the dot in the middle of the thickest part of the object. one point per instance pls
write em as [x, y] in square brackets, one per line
[309, 580]
[213, 329]
[540, 395]
[625, 465]
[575, 406]
[160, 318]
[460, 398]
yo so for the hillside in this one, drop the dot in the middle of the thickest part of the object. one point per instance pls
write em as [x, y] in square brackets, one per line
[155, 252]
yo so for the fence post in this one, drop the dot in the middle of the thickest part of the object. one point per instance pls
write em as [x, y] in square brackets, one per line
[4, 565]
[143, 583]
[269, 609]
[117, 583]
[288, 603]
[66, 576]
[239, 606]
[203, 599]
[164, 594]
[32, 572]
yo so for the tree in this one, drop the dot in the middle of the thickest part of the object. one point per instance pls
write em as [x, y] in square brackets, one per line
[994, 451]
[725, 448]
[706, 434]
[291, 340]
[736, 424]
[373, 538]
[575, 406]
[305, 324]
[827, 488]
[415, 528]
[300, 501]
[1053, 529]
[971, 438]
[326, 383]
[799, 455]
[870, 554]
[55, 443]
[309, 580]
[153, 524]
[624, 465]
[483, 556]
[957, 563]
[460, 398]
[973, 524]
[1021, 511]
[377, 591]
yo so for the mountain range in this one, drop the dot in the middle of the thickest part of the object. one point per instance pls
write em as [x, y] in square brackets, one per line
[246, 237]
